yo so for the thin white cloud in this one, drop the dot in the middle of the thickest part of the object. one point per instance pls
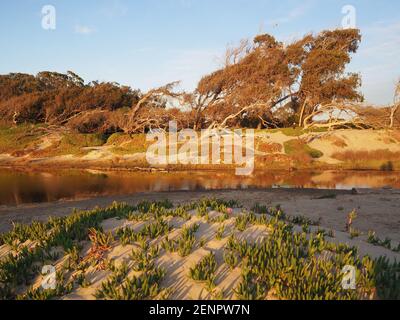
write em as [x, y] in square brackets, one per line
[85, 30]
[378, 62]
[114, 9]
[189, 66]
[186, 3]
[186, 66]
[381, 39]
[293, 14]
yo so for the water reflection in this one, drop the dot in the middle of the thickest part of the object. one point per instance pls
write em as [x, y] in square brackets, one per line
[35, 187]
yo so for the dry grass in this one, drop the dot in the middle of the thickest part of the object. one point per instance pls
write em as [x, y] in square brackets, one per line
[356, 156]
[268, 147]
[338, 142]
[384, 160]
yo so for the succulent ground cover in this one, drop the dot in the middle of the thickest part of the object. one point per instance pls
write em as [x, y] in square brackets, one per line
[215, 248]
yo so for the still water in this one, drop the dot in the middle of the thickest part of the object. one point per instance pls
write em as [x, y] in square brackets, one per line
[19, 187]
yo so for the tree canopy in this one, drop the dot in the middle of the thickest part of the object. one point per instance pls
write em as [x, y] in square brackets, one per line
[299, 76]
[263, 83]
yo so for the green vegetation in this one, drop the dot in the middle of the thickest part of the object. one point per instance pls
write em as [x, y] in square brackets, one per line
[308, 266]
[18, 140]
[302, 220]
[124, 144]
[386, 243]
[298, 273]
[72, 143]
[205, 271]
[184, 245]
[231, 259]
[297, 132]
[220, 232]
[244, 220]
[146, 286]
[297, 148]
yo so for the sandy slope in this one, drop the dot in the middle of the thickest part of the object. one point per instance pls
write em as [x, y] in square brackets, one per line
[328, 143]
[177, 282]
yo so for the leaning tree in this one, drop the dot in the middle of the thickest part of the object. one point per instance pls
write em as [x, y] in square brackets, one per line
[266, 79]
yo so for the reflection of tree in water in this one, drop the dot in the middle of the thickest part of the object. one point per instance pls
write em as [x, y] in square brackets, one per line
[27, 187]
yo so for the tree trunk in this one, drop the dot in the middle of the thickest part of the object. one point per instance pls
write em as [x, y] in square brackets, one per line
[392, 115]
[303, 108]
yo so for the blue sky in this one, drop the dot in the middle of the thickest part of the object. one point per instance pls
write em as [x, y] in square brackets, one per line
[147, 43]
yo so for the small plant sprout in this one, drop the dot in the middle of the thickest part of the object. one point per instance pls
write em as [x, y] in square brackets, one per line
[202, 242]
[350, 220]
[205, 271]
[372, 238]
[354, 233]
[231, 259]
[220, 232]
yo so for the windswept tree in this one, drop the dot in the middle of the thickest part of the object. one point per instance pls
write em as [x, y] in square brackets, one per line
[267, 79]
[150, 112]
[56, 99]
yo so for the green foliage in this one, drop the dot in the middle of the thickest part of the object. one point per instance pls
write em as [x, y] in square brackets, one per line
[127, 236]
[82, 281]
[72, 143]
[156, 229]
[220, 232]
[307, 266]
[297, 272]
[21, 233]
[204, 205]
[187, 240]
[143, 259]
[386, 243]
[231, 259]
[354, 233]
[18, 139]
[146, 286]
[184, 244]
[302, 220]
[249, 288]
[17, 270]
[260, 209]
[151, 231]
[48, 294]
[169, 245]
[205, 271]
[298, 147]
[243, 220]
[99, 238]
[62, 288]
[387, 278]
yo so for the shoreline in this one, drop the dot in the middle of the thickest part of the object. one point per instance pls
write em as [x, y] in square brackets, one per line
[378, 210]
[57, 167]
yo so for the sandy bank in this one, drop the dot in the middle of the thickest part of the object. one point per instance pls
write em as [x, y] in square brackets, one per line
[378, 210]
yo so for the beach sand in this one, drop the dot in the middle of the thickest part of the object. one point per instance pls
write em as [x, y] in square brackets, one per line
[378, 210]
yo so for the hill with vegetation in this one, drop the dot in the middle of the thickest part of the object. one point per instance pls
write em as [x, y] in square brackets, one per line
[307, 110]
